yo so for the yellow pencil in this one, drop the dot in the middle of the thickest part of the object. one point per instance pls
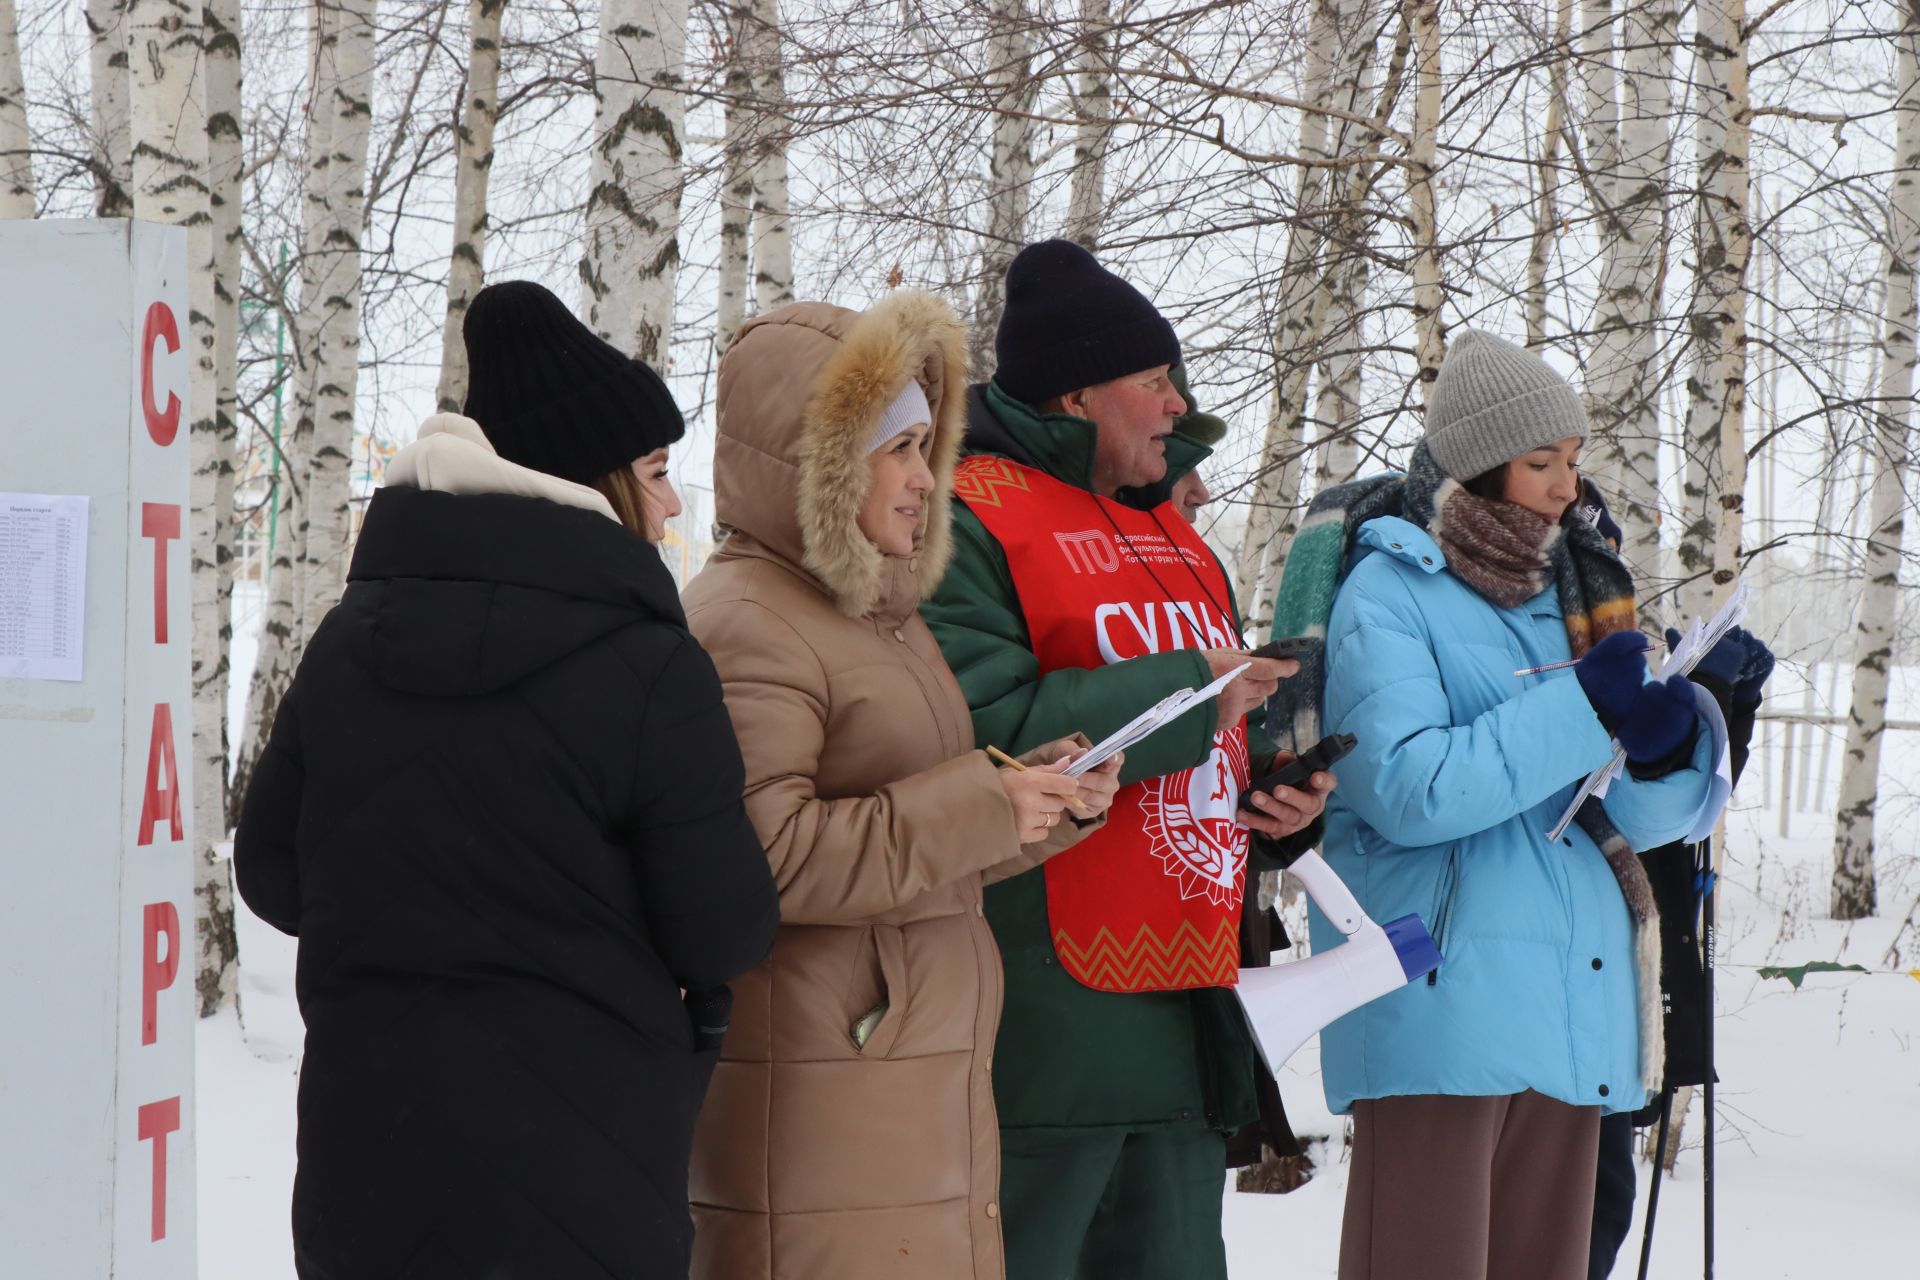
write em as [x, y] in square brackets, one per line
[995, 753]
[1005, 759]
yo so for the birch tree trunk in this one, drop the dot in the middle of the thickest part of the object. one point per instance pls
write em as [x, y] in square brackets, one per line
[634, 177]
[168, 119]
[221, 42]
[1855, 892]
[1546, 221]
[1827, 569]
[772, 240]
[1346, 273]
[1009, 172]
[736, 179]
[1621, 389]
[322, 69]
[1600, 93]
[1093, 106]
[225, 165]
[1601, 130]
[1275, 517]
[346, 82]
[16, 142]
[1273, 510]
[1430, 333]
[1693, 554]
[1716, 393]
[282, 634]
[1600, 85]
[1337, 408]
[112, 157]
[473, 164]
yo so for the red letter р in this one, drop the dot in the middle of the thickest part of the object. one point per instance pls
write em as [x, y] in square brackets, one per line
[160, 802]
[156, 974]
[162, 424]
[157, 1120]
[161, 522]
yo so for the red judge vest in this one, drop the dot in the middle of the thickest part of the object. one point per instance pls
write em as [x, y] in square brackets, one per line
[1151, 901]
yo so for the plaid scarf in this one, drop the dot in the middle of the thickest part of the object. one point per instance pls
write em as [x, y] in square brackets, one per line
[1507, 555]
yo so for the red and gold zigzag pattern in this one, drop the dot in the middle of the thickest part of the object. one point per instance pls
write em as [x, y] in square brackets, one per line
[1187, 960]
[980, 480]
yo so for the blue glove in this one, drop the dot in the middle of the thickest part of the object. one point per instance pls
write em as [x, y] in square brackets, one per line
[1741, 661]
[1723, 661]
[1659, 722]
[1753, 671]
[1612, 673]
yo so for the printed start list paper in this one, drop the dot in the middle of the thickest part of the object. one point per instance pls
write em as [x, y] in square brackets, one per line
[43, 585]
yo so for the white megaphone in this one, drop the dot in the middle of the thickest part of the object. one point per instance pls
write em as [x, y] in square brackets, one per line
[1287, 1003]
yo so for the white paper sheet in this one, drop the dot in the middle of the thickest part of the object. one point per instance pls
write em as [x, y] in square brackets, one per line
[43, 585]
[1722, 781]
[1155, 717]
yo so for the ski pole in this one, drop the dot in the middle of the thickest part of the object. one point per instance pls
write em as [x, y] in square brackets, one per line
[1709, 939]
[1659, 1167]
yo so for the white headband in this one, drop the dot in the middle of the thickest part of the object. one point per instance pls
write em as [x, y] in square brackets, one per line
[909, 409]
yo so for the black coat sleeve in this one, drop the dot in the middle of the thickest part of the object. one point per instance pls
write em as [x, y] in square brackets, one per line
[707, 891]
[1740, 720]
[1277, 855]
[264, 862]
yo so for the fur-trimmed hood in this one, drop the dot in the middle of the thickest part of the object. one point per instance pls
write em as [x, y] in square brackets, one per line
[800, 390]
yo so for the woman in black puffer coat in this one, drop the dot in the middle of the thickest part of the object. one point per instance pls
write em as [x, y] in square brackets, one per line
[500, 808]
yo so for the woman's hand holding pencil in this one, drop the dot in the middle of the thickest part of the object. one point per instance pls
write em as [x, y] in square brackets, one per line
[1038, 792]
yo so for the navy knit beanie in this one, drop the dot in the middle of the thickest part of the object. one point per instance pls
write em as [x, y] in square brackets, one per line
[552, 395]
[1070, 323]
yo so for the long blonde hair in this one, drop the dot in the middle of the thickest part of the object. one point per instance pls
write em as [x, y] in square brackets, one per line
[623, 492]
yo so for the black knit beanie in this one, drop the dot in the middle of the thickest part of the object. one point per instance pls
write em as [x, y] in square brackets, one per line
[553, 396]
[1070, 323]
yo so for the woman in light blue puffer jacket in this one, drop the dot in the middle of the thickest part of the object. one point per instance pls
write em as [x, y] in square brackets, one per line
[1477, 1092]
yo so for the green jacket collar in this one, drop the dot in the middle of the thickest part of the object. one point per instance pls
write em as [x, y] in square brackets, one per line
[1062, 445]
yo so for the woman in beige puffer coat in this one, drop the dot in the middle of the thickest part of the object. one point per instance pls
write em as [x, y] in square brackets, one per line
[849, 1131]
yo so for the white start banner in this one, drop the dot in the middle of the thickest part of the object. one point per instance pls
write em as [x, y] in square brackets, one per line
[96, 924]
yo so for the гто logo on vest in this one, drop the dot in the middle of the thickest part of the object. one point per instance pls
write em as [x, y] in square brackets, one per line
[1189, 816]
[1089, 551]
[1093, 551]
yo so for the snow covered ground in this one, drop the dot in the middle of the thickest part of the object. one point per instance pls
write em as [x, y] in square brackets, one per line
[1817, 1173]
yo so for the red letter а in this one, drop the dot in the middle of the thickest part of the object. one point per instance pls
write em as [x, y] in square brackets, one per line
[160, 802]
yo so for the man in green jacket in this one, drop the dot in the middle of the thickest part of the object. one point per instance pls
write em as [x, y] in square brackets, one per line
[1077, 597]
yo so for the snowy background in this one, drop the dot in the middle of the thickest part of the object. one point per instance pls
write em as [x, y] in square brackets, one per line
[1817, 1172]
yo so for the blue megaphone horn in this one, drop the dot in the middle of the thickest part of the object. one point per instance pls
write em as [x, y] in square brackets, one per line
[1287, 1004]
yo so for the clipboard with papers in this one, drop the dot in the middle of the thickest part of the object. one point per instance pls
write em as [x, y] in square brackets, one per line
[1148, 722]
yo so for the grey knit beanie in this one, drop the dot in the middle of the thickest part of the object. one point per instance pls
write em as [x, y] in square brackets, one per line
[1494, 401]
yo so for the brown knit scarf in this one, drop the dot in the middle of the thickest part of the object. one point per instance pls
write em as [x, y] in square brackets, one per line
[1500, 549]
